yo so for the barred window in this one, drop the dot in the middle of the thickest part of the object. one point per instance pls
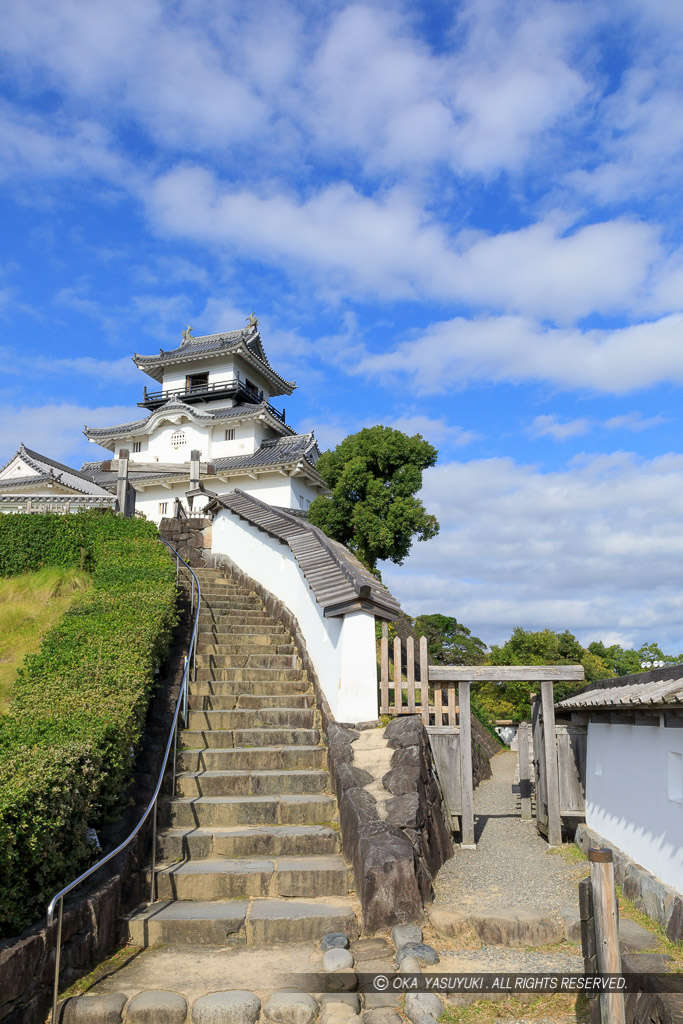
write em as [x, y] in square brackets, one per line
[178, 439]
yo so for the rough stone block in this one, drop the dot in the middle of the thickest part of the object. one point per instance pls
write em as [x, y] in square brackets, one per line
[674, 924]
[18, 964]
[404, 933]
[157, 1007]
[402, 779]
[381, 1000]
[408, 757]
[385, 877]
[420, 1003]
[370, 949]
[405, 731]
[571, 919]
[406, 811]
[291, 1008]
[448, 922]
[349, 777]
[236, 1007]
[633, 938]
[106, 1009]
[517, 926]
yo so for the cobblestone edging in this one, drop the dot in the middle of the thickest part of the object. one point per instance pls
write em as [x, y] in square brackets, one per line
[90, 926]
[394, 860]
[660, 902]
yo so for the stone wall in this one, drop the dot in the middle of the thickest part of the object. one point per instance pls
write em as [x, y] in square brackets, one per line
[660, 902]
[190, 537]
[90, 927]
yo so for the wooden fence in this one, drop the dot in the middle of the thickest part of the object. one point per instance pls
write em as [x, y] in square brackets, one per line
[430, 691]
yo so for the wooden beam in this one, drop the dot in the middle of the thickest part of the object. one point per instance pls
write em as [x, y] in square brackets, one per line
[605, 917]
[467, 817]
[384, 668]
[505, 673]
[424, 679]
[552, 781]
[398, 687]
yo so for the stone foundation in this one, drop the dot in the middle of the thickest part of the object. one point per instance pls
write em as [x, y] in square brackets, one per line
[660, 902]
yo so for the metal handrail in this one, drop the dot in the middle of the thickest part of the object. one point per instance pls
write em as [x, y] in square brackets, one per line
[190, 669]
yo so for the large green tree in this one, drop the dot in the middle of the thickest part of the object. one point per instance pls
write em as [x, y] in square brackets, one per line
[374, 476]
[448, 641]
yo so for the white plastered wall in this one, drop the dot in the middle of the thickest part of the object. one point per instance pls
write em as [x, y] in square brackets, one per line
[273, 488]
[342, 649]
[634, 794]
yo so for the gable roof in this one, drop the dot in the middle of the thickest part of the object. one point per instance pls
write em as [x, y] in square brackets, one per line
[175, 407]
[245, 342]
[340, 583]
[49, 472]
[662, 687]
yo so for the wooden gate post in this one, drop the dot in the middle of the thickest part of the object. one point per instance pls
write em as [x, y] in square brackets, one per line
[551, 772]
[524, 781]
[467, 817]
[605, 916]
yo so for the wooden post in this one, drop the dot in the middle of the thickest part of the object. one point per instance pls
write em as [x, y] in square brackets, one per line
[451, 706]
[410, 674]
[438, 705]
[424, 679]
[384, 669]
[551, 773]
[398, 688]
[467, 817]
[524, 781]
[606, 918]
[122, 489]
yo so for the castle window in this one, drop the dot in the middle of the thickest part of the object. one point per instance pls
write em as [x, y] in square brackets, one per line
[230, 434]
[178, 439]
[163, 508]
[196, 381]
[137, 446]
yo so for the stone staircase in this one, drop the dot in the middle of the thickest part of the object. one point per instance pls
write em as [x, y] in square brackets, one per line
[249, 847]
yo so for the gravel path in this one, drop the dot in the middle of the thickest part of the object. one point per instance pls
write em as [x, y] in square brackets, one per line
[512, 865]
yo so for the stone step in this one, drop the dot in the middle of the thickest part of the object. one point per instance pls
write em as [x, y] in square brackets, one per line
[261, 646]
[239, 633]
[253, 718]
[230, 615]
[231, 601]
[221, 589]
[251, 758]
[263, 659]
[221, 879]
[224, 687]
[236, 782]
[193, 739]
[243, 841]
[281, 809]
[231, 701]
[226, 922]
[245, 674]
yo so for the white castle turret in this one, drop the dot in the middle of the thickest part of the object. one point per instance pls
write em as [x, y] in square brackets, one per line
[211, 427]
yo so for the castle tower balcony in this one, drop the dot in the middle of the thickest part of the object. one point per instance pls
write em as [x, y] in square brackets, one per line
[196, 391]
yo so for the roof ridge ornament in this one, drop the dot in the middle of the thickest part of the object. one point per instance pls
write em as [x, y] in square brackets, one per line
[187, 333]
[252, 321]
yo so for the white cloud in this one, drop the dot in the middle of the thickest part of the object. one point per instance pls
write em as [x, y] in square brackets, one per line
[635, 421]
[550, 426]
[595, 548]
[436, 431]
[454, 353]
[55, 430]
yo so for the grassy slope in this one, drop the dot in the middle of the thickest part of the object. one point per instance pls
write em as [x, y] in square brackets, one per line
[30, 605]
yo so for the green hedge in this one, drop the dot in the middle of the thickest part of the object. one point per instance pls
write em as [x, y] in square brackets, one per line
[67, 741]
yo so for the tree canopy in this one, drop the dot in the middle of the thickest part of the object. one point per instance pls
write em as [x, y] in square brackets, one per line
[374, 476]
[448, 641]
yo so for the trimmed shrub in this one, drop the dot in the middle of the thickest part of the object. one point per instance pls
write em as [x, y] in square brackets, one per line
[68, 739]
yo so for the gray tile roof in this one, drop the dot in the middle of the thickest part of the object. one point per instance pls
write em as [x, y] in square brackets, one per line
[659, 688]
[248, 339]
[338, 580]
[199, 415]
[50, 471]
[278, 453]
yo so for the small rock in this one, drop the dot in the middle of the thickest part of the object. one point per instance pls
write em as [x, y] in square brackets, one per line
[381, 1000]
[291, 1008]
[381, 1015]
[633, 938]
[94, 1009]
[410, 965]
[345, 980]
[425, 954]
[337, 960]
[350, 999]
[370, 949]
[155, 1006]
[645, 963]
[420, 1003]
[404, 933]
[334, 940]
[237, 1007]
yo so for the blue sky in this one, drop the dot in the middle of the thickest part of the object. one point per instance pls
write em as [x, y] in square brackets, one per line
[461, 219]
